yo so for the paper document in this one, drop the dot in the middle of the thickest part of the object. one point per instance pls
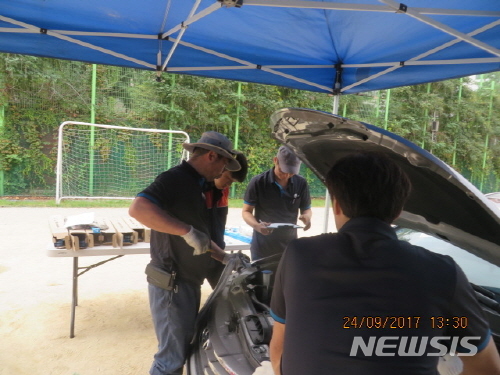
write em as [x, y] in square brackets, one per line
[80, 220]
[281, 225]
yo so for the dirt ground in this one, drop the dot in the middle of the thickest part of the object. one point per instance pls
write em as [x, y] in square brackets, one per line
[113, 329]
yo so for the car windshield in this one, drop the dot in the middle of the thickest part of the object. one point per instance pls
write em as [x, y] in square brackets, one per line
[477, 270]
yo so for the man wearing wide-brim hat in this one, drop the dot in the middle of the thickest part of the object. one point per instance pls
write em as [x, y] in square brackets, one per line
[218, 143]
[173, 206]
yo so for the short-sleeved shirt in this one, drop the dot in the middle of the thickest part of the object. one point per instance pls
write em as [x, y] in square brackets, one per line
[180, 191]
[363, 282]
[274, 204]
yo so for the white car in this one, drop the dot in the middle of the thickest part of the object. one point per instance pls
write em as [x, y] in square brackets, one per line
[495, 197]
[445, 213]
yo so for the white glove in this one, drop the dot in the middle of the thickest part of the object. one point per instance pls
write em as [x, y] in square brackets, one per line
[199, 241]
[449, 365]
[264, 369]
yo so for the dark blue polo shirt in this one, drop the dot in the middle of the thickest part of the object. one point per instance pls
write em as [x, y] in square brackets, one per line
[180, 191]
[363, 282]
[274, 204]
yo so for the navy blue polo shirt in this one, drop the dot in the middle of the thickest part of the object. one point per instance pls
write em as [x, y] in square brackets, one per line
[180, 191]
[363, 282]
[274, 204]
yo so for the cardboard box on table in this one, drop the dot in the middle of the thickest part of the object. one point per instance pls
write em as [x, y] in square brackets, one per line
[126, 235]
[60, 235]
[81, 238]
[143, 232]
[104, 233]
[115, 232]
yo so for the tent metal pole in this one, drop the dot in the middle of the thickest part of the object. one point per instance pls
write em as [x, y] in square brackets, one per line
[336, 101]
[440, 26]
[181, 34]
[365, 7]
[246, 65]
[421, 56]
[192, 18]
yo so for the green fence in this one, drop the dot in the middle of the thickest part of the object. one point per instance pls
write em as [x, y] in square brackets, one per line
[456, 120]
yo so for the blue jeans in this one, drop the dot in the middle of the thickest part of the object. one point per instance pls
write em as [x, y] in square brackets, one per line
[174, 316]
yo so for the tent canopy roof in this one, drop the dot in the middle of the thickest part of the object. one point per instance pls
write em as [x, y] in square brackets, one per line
[344, 46]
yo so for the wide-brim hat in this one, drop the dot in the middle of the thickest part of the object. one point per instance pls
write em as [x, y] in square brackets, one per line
[218, 143]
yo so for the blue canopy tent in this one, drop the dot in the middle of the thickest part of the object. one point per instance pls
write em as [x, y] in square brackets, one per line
[338, 47]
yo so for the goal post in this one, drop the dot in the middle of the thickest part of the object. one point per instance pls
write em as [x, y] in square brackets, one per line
[96, 161]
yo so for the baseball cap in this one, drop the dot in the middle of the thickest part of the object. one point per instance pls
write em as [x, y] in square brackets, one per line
[288, 161]
[218, 143]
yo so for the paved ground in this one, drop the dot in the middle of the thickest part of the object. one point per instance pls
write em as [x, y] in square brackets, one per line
[113, 326]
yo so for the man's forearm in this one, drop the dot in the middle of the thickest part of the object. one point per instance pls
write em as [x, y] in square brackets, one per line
[486, 362]
[250, 219]
[152, 216]
[216, 252]
[305, 217]
[276, 346]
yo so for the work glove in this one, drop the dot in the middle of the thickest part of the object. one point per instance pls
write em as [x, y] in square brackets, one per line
[265, 368]
[198, 240]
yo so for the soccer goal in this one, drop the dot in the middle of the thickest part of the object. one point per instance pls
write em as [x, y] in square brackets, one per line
[97, 161]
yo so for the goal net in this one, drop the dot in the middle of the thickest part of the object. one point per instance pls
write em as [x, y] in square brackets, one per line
[97, 161]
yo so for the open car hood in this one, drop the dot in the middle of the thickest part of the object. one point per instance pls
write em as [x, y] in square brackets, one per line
[442, 202]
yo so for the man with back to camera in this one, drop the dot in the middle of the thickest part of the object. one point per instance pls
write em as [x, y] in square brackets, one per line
[217, 200]
[174, 207]
[326, 285]
[276, 195]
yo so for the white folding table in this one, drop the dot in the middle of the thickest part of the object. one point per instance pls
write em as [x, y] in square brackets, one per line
[232, 244]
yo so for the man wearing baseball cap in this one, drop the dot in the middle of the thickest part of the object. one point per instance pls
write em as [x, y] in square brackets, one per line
[276, 196]
[182, 252]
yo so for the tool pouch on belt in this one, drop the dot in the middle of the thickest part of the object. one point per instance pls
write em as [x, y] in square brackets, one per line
[161, 278]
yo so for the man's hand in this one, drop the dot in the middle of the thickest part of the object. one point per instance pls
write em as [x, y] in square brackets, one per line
[217, 252]
[306, 218]
[228, 257]
[265, 368]
[258, 226]
[199, 241]
[221, 255]
[262, 228]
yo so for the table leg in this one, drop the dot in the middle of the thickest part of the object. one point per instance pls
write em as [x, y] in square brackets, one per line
[76, 274]
[74, 300]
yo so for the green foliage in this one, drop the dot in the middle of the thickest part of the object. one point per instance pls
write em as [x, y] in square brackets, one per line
[38, 94]
[467, 118]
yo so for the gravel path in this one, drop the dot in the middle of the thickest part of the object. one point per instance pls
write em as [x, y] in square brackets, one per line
[114, 334]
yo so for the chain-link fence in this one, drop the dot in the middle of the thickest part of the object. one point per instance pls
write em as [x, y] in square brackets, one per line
[38, 94]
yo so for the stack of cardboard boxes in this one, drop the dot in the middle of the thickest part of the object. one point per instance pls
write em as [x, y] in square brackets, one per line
[115, 232]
